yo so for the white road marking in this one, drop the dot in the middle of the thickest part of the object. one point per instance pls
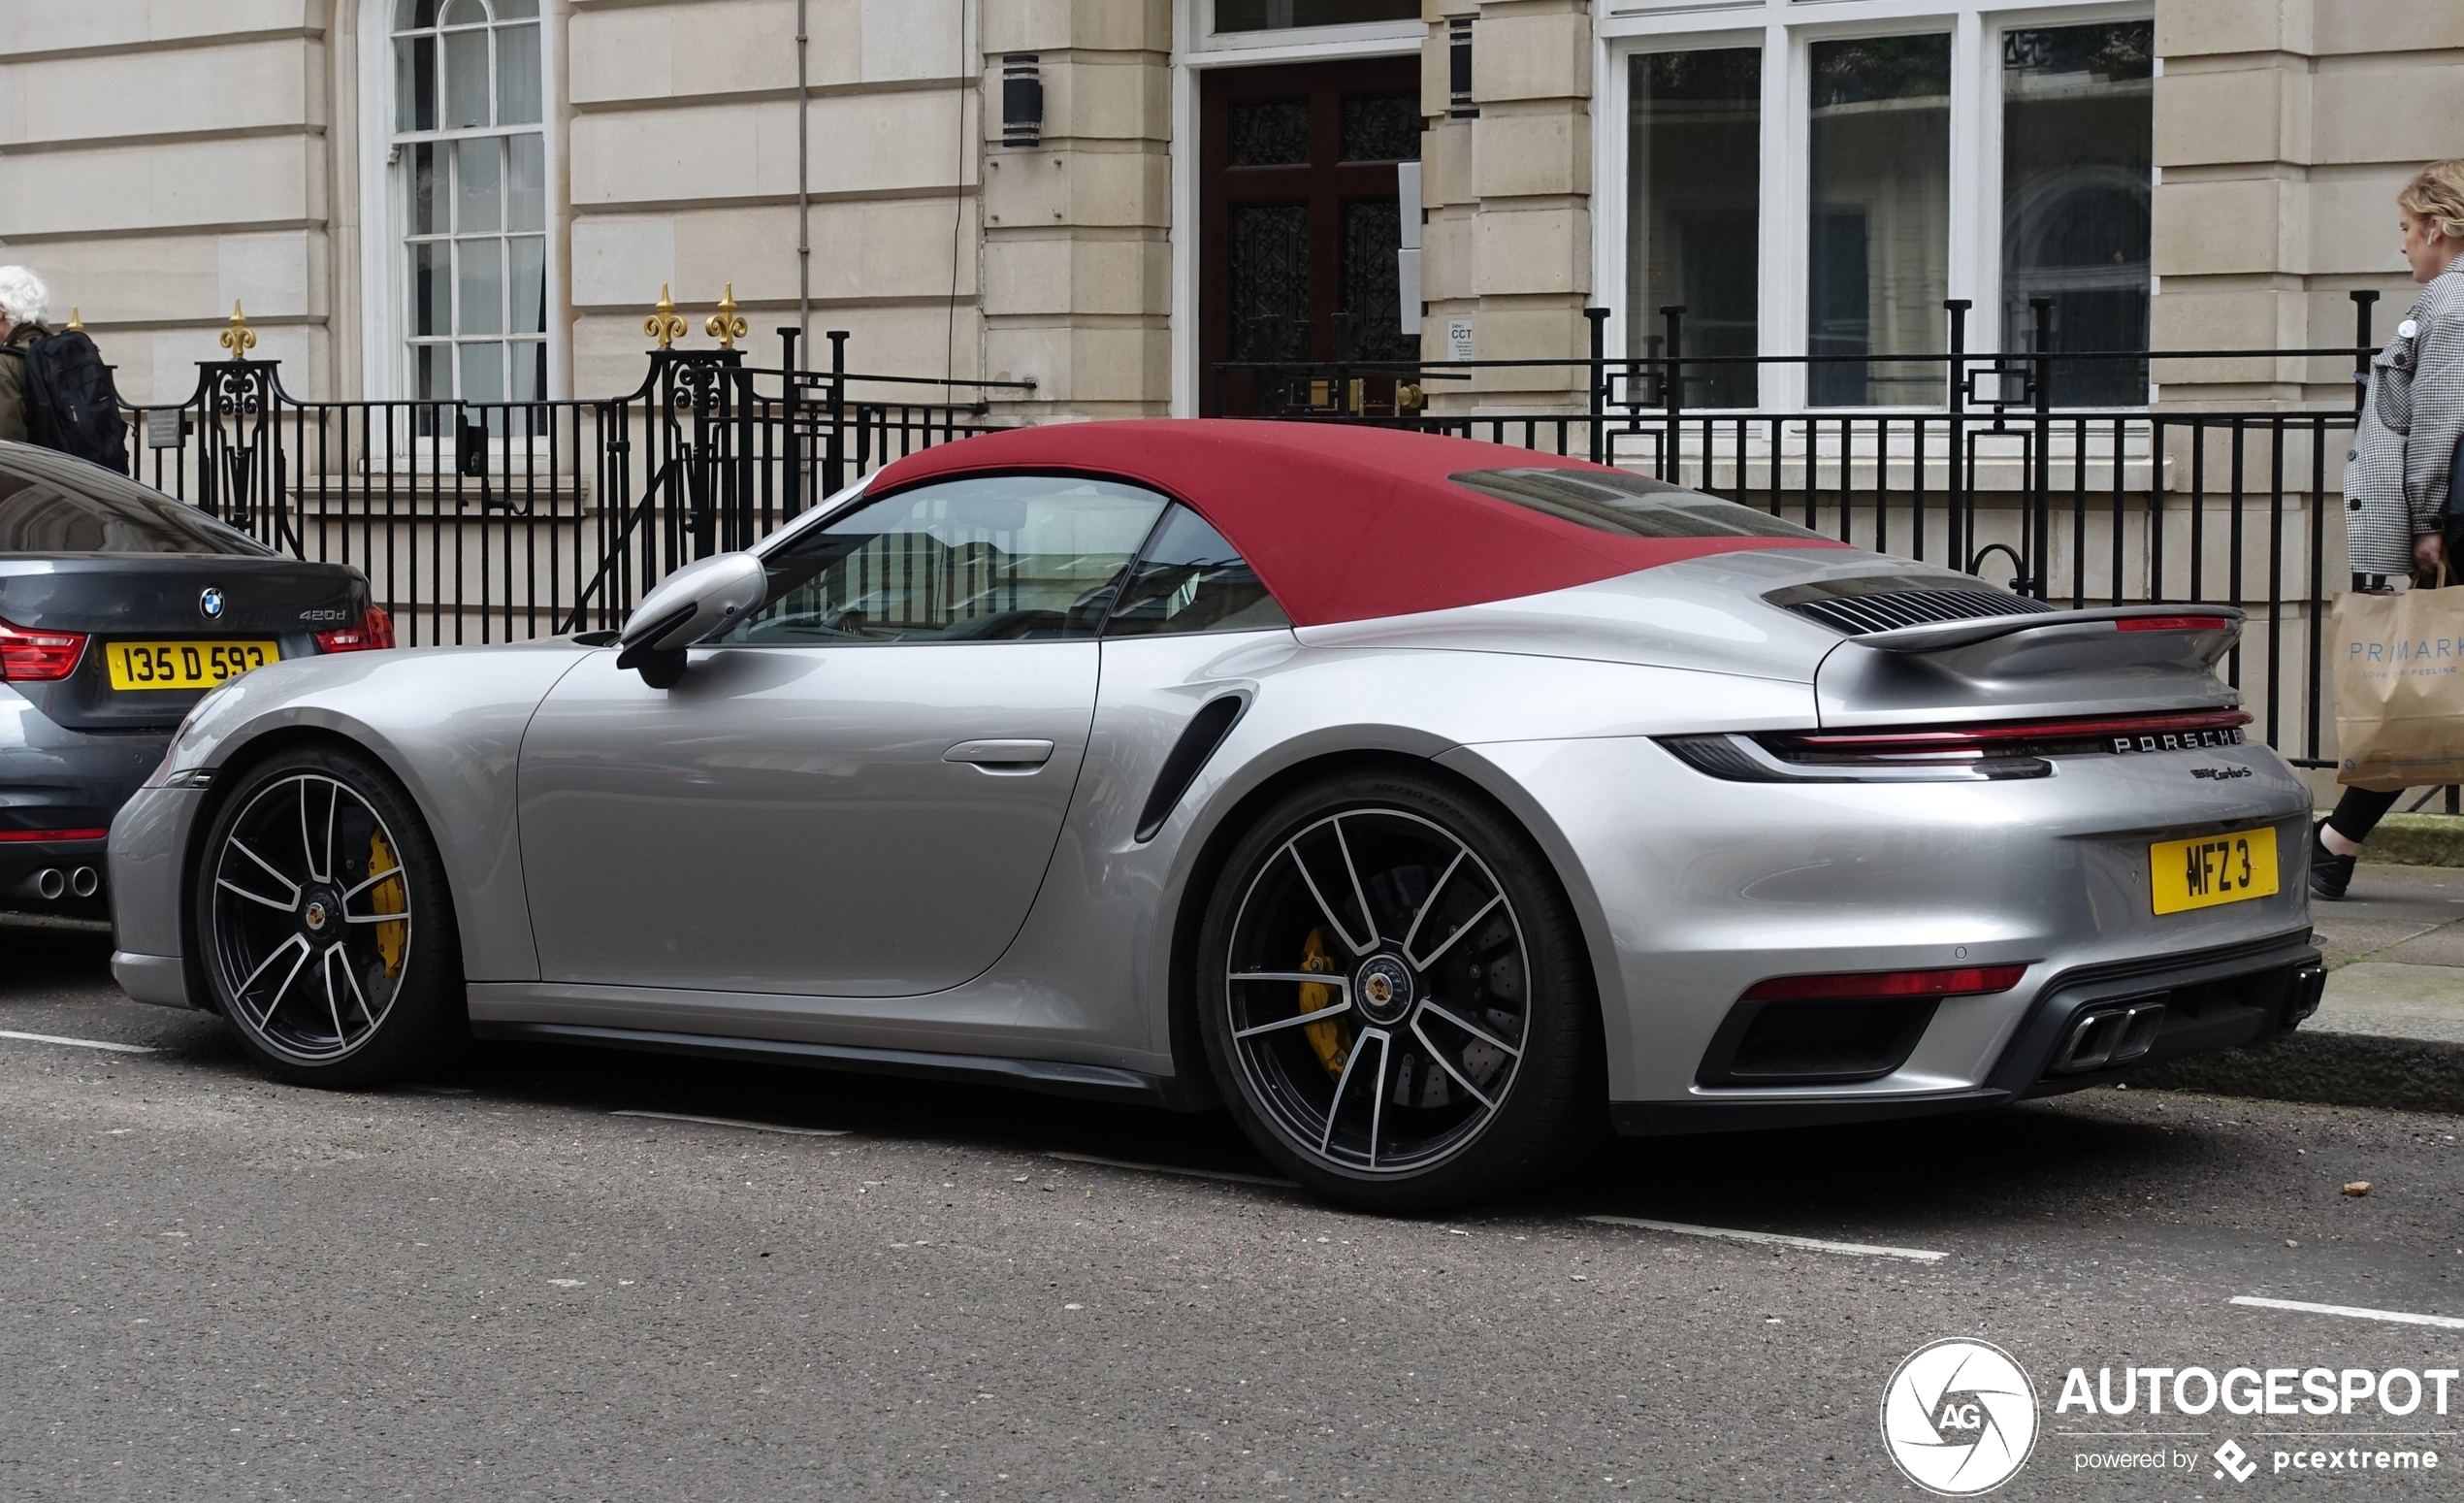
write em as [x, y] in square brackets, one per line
[730, 1122]
[2400, 1316]
[79, 1043]
[1173, 1169]
[1811, 1244]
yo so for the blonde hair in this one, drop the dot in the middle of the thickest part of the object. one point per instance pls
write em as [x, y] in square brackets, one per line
[2436, 193]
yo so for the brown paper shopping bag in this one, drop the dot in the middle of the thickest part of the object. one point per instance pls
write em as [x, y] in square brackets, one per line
[2399, 689]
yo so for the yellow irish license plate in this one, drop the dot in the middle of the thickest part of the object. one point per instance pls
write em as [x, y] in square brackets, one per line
[184, 665]
[2186, 874]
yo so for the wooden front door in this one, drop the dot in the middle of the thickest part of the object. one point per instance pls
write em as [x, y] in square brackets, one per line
[1299, 224]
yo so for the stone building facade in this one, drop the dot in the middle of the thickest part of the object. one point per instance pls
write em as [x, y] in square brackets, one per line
[484, 197]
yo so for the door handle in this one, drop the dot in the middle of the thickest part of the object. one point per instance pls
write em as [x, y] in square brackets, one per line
[1001, 757]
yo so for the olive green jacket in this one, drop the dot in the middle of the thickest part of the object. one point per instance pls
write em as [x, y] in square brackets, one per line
[13, 380]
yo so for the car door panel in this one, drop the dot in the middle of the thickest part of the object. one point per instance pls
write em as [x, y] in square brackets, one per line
[792, 819]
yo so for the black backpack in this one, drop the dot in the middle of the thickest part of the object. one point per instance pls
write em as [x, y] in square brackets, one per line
[70, 403]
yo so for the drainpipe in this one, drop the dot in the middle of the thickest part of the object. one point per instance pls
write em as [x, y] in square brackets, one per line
[803, 187]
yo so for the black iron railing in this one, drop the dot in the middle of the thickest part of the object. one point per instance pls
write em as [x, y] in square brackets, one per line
[498, 521]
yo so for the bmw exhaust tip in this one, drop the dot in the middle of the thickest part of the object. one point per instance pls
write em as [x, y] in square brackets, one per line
[83, 882]
[49, 883]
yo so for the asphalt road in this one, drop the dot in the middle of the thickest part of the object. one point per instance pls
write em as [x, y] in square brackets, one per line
[496, 1286]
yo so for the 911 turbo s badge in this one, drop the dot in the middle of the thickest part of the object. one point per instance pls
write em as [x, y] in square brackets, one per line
[209, 603]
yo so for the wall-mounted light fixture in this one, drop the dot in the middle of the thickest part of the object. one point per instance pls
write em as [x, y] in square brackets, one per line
[1459, 68]
[1022, 100]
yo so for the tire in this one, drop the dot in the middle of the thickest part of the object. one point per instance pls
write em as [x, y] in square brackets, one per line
[1469, 999]
[289, 909]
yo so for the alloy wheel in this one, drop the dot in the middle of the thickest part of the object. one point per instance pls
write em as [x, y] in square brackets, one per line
[1378, 992]
[312, 918]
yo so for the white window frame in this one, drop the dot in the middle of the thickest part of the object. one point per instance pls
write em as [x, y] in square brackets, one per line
[384, 209]
[1785, 30]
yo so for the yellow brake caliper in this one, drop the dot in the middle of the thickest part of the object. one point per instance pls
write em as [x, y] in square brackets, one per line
[1331, 1040]
[386, 897]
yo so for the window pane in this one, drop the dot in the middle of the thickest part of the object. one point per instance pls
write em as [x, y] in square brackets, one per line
[517, 10]
[480, 288]
[526, 195]
[428, 317]
[415, 84]
[1269, 14]
[466, 12]
[1267, 268]
[2077, 133]
[530, 371]
[1268, 133]
[414, 14]
[482, 372]
[1191, 580]
[466, 79]
[528, 255]
[478, 185]
[1881, 232]
[424, 220]
[518, 76]
[1696, 163]
[1006, 558]
[1381, 127]
[431, 376]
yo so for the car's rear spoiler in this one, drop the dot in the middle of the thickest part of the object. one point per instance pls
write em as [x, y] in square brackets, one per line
[2041, 664]
[2222, 621]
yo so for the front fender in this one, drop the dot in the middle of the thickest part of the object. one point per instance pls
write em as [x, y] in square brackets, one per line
[449, 723]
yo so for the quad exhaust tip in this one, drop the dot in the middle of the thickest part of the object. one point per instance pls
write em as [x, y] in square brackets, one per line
[2106, 1036]
[51, 884]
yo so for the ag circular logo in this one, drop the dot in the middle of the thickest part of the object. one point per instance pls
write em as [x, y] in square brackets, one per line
[1958, 1417]
[209, 604]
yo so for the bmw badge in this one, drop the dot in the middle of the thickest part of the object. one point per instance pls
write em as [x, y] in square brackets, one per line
[209, 603]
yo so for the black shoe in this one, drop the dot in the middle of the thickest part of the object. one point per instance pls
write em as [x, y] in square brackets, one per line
[2329, 873]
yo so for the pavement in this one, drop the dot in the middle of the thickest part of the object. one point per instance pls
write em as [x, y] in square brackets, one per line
[557, 1273]
[2390, 1028]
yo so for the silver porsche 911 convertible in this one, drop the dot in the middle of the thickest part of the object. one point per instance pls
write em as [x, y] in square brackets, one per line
[1426, 803]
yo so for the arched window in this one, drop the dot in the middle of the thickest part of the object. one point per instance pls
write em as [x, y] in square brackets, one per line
[470, 173]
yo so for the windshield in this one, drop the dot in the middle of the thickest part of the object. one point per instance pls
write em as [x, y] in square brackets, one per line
[51, 504]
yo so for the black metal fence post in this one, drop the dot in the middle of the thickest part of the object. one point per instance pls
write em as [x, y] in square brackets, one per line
[1597, 402]
[1671, 460]
[2362, 298]
[2037, 507]
[834, 447]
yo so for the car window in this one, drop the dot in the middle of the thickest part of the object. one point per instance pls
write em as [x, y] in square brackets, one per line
[57, 506]
[1613, 500]
[996, 558]
[1190, 579]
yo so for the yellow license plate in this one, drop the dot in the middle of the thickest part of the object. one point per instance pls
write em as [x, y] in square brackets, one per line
[184, 665]
[2213, 869]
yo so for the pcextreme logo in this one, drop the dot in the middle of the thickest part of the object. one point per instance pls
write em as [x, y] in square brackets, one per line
[1958, 1417]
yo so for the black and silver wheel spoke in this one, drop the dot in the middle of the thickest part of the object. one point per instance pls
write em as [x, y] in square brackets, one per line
[1365, 1051]
[261, 944]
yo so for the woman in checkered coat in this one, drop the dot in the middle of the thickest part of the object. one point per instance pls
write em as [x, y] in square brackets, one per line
[2396, 476]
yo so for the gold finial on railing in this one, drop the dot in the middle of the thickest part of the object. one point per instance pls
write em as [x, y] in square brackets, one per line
[727, 325]
[77, 325]
[239, 339]
[663, 325]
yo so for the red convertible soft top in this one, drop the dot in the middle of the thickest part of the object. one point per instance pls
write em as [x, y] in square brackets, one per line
[1343, 522]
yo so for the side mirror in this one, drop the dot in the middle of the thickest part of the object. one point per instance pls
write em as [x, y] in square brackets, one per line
[700, 599]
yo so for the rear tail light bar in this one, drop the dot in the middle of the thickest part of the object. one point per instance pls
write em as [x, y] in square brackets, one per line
[1872, 984]
[36, 656]
[373, 634]
[1949, 753]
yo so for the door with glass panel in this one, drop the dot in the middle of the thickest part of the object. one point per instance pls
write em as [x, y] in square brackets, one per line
[1299, 225]
[470, 164]
[855, 792]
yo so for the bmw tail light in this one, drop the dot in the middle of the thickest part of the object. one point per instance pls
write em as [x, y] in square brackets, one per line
[34, 656]
[373, 634]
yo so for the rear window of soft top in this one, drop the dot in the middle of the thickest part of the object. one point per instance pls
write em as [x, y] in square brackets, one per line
[1613, 500]
[52, 503]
